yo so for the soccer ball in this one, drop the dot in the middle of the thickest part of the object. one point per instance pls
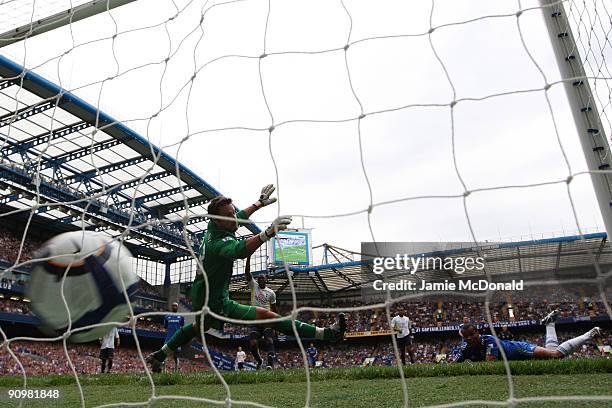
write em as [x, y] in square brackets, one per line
[94, 266]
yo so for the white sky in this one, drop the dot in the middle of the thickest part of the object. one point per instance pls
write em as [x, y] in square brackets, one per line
[500, 141]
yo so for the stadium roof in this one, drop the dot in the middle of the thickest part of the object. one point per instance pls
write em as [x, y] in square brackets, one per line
[553, 259]
[91, 164]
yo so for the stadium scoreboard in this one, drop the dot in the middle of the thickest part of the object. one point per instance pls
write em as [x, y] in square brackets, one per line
[291, 246]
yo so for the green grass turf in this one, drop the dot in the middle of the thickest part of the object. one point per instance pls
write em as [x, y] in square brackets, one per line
[293, 254]
[355, 387]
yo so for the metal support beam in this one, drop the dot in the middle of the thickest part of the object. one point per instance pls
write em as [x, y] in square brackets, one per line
[43, 209]
[46, 137]
[318, 275]
[27, 163]
[340, 252]
[586, 116]
[78, 153]
[10, 198]
[5, 83]
[58, 174]
[60, 19]
[26, 112]
[325, 250]
[518, 257]
[316, 285]
[170, 208]
[558, 261]
[343, 276]
[602, 246]
[196, 219]
[105, 169]
[134, 182]
[52, 193]
[193, 220]
[139, 201]
[46, 161]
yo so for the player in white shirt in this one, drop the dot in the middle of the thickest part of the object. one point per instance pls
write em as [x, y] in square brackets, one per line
[240, 359]
[402, 327]
[265, 297]
[107, 348]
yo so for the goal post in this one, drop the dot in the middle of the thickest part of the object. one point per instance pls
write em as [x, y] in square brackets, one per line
[58, 20]
[585, 112]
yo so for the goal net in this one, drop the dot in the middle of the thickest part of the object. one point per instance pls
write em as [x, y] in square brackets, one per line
[379, 121]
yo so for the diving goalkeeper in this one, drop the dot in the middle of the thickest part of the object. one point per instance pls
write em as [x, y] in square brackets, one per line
[219, 249]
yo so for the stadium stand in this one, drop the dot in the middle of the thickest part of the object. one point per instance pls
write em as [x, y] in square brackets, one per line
[14, 306]
[526, 307]
[68, 179]
[10, 243]
[40, 358]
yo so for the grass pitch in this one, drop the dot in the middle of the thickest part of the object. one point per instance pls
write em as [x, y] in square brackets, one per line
[293, 254]
[354, 387]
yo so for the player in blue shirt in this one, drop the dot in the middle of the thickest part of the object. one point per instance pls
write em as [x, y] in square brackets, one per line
[312, 353]
[172, 324]
[477, 347]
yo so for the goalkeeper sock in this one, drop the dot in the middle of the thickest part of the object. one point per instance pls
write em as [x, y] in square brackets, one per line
[568, 347]
[304, 330]
[551, 336]
[180, 338]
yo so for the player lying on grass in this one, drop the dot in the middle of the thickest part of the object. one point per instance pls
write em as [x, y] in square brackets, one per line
[477, 347]
[219, 250]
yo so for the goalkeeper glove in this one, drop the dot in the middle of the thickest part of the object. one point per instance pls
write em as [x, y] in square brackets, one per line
[264, 197]
[279, 224]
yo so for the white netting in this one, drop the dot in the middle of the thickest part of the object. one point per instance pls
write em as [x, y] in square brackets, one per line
[16, 13]
[451, 110]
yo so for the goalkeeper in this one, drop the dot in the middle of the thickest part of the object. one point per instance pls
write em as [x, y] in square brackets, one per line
[219, 249]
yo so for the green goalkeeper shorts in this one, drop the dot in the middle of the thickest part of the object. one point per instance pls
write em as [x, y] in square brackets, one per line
[224, 306]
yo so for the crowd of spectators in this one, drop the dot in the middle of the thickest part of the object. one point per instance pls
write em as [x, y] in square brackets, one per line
[43, 358]
[19, 281]
[14, 306]
[21, 307]
[10, 242]
[145, 288]
[149, 325]
[438, 313]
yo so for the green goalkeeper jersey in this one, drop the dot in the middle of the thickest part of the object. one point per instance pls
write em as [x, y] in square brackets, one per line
[218, 251]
